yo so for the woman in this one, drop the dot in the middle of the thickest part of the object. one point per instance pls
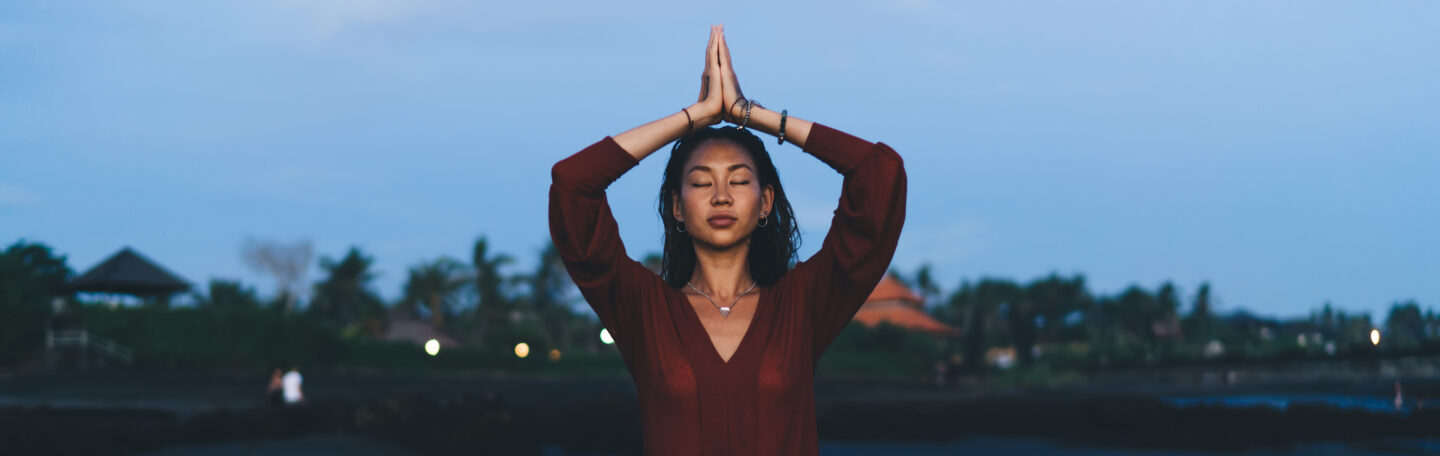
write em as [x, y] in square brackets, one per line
[723, 343]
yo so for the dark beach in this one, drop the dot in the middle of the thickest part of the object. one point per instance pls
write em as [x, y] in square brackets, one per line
[174, 413]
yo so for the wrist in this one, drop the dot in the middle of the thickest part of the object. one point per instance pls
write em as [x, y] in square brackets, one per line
[764, 120]
[703, 115]
[735, 111]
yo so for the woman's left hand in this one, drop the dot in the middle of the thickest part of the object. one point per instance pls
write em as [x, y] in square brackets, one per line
[707, 109]
[729, 84]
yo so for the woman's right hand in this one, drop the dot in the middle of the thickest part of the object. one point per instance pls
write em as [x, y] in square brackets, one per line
[707, 109]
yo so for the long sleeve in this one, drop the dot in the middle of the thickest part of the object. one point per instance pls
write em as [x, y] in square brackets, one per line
[863, 233]
[588, 240]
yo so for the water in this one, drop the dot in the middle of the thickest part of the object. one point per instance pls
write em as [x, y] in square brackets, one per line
[1284, 401]
[1014, 445]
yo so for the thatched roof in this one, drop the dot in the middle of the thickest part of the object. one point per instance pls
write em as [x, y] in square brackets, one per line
[128, 272]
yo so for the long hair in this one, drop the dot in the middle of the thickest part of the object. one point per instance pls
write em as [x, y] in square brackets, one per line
[772, 247]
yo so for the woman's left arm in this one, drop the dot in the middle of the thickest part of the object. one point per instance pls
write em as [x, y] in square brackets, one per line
[866, 227]
[863, 233]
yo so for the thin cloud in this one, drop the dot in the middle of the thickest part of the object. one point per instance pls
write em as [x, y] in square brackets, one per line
[14, 195]
[331, 17]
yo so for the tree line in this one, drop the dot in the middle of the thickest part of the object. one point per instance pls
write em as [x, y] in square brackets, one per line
[486, 304]
[1060, 318]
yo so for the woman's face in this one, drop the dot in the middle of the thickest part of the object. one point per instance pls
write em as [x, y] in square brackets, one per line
[721, 201]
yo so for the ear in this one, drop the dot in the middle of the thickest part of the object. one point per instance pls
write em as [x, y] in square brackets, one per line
[767, 199]
[675, 209]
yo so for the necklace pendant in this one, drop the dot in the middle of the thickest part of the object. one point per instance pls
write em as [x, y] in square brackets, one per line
[725, 311]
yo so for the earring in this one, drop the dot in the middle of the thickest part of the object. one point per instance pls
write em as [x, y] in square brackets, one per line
[680, 227]
[764, 221]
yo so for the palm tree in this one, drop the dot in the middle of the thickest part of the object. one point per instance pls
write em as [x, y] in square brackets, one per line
[1135, 310]
[345, 294]
[1055, 298]
[979, 304]
[1202, 315]
[488, 283]
[435, 284]
[547, 289]
[925, 284]
[1405, 325]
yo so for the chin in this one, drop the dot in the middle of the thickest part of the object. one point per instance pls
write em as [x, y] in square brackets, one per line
[722, 241]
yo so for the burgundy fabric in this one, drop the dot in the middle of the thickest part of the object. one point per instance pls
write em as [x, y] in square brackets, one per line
[761, 402]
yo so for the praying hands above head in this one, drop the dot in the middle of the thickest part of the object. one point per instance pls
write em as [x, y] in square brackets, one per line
[720, 100]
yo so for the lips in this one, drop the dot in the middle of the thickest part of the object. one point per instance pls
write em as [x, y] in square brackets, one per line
[721, 221]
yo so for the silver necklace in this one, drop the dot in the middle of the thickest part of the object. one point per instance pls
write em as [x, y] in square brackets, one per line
[725, 310]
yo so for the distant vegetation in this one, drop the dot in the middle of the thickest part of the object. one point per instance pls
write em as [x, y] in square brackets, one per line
[1051, 324]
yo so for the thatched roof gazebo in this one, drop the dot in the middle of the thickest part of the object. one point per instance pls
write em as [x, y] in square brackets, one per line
[128, 272]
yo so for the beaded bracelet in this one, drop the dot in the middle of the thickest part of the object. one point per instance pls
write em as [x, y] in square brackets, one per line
[781, 140]
[748, 104]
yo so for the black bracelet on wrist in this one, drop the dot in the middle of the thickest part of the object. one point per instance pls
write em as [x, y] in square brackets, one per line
[783, 113]
[689, 123]
[732, 108]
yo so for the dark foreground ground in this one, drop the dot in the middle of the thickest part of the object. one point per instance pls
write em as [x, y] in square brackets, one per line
[359, 414]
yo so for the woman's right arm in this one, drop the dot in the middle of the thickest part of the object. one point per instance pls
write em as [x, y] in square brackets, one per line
[582, 226]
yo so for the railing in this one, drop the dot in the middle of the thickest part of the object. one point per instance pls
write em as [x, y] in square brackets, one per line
[83, 340]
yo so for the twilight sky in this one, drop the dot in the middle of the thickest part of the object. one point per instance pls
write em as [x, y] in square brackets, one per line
[1287, 152]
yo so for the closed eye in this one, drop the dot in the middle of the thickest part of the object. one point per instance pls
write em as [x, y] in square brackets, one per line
[699, 185]
[740, 183]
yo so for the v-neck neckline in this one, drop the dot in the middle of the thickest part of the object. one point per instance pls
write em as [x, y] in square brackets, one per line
[695, 322]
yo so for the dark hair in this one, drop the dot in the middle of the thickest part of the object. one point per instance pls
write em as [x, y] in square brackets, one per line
[772, 247]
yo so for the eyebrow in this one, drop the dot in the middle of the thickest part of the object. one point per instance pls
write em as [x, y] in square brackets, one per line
[731, 168]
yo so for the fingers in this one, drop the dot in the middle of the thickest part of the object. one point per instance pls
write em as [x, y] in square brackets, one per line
[714, 68]
[709, 62]
[710, 49]
[725, 52]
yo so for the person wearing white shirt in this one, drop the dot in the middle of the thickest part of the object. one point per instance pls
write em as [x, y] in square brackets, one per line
[291, 386]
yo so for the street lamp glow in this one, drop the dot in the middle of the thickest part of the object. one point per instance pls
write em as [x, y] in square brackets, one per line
[605, 337]
[432, 347]
[522, 350]
[1374, 337]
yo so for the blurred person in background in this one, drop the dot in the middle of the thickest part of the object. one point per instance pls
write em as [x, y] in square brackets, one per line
[274, 392]
[292, 383]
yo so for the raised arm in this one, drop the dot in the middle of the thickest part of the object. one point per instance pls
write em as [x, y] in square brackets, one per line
[583, 227]
[866, 227]
[863, 233]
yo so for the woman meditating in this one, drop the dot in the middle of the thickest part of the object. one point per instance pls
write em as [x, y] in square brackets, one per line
[722, 344]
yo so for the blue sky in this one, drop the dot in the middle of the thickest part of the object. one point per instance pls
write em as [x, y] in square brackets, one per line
[1286, 152]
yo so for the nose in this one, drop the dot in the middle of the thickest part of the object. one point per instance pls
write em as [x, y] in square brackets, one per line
[721, 195]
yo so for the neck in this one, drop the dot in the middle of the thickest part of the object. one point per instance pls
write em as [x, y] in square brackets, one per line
[722, 273]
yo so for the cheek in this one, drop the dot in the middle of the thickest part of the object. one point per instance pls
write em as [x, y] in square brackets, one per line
[747, 197]
[692, 203]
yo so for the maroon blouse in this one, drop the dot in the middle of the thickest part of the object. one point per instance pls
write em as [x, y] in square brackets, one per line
[761, 402]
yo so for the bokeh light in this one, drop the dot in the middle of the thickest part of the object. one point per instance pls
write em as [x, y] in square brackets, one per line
[522, 349]
[432, 347]
[554, 354]
[1374, 337]
[605, 337]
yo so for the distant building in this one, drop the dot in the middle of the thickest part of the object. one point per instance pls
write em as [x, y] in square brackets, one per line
[401, 327]
[894, 303]
[127, 272]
